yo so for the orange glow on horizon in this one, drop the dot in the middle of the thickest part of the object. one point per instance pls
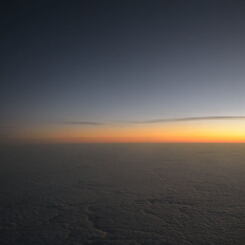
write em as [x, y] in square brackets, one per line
[212, 132]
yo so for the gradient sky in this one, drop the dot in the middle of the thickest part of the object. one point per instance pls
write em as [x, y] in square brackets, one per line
[103, 70]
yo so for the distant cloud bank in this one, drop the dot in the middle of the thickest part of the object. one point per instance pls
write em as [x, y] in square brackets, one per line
[83, 123]
[158, 120]
[180, 119]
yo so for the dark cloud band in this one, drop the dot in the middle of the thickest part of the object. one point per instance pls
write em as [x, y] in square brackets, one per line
[158, 120]
[89, 123]
[183, 119]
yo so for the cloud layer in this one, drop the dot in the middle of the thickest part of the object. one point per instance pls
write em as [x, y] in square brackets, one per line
[181, 119]
[158, 120]
[92, 123]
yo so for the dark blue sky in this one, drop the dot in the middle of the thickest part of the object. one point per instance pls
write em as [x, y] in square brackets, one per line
[121, 60]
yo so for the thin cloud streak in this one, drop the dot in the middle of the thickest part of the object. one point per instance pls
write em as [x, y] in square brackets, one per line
[89, 123]
[159, 120]
[185, 119]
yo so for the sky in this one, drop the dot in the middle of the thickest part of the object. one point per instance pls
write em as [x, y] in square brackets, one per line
[122, 71]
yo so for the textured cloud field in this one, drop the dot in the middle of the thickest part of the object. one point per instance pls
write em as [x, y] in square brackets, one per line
[123, 194]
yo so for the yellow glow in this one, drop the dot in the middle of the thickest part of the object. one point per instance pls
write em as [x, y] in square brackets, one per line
[198, 131]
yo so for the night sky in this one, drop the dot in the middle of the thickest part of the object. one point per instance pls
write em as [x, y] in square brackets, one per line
[122, 70]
